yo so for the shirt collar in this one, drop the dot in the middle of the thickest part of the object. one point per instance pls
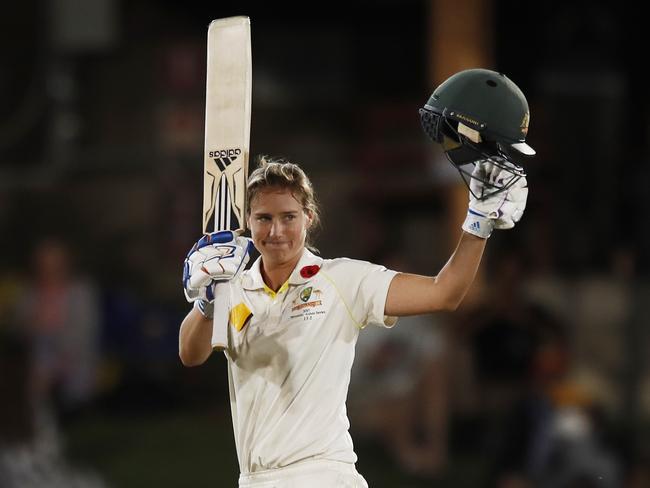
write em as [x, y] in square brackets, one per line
[253, 280]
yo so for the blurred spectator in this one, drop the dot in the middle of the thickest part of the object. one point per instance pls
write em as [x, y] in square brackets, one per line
[398, 393]
[59, 313]
[539, 426]
[31, 454]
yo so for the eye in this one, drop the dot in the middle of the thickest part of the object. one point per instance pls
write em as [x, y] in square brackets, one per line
[263, 218]
[290, 217]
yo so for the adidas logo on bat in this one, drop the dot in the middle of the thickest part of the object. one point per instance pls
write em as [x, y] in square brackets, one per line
[224, 157]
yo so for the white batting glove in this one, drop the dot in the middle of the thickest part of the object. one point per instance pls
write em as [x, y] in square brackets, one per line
[501, 210]
[219, 256]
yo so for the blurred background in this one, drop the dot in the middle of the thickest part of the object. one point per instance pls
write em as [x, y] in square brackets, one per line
[540, 379]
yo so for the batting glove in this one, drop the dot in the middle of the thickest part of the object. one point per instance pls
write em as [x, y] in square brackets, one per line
[500, 210]
[216, 257]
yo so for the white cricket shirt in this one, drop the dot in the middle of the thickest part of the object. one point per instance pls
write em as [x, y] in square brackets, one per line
[290, 357]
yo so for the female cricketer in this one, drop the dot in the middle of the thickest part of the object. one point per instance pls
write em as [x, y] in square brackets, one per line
[297, 316]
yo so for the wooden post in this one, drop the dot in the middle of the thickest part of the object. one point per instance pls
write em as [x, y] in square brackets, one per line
[461, 36]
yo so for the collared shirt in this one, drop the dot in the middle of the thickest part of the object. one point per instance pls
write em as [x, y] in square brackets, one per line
[290, 355]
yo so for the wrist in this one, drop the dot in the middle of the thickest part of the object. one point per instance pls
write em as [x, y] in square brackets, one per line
[473, 237]
[478, 224]
[205, 308]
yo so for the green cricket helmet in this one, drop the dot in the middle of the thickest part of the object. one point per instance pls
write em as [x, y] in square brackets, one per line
[479, 114]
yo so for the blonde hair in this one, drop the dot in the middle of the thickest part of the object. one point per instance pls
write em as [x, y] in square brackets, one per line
[280, 173]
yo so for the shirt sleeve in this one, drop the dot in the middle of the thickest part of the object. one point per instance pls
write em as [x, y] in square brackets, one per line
[373, 290]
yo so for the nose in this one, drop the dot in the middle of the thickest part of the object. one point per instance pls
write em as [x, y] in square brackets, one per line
[275, 228]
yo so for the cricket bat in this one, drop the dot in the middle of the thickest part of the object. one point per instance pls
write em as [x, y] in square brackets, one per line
[227, 138]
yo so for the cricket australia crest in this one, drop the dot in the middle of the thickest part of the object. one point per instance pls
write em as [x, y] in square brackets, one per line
[305, 294]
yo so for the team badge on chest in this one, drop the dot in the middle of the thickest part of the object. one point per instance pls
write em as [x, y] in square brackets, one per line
[305, 294]
[307, 304]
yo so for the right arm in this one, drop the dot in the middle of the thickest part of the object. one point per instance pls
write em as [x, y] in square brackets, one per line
[219, 256]
[194, 342]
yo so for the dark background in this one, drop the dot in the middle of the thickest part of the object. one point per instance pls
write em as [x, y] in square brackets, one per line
[101, 134]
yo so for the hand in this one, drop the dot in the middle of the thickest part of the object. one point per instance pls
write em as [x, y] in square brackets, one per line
[216, 257]
[500, 209]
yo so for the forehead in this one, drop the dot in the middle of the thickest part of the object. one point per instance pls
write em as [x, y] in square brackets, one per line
[275, 200]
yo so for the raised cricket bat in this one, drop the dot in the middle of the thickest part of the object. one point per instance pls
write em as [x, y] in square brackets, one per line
[227, 137]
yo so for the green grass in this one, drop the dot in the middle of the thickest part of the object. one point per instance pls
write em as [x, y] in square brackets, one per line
[171, 450]
[196, 449]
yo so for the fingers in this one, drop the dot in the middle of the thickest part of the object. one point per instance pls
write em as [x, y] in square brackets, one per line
[215, 257]
[246, 243]
[488, 177]
[513, 208]
[518, 195]
[218, 262]
[222, 269]
[221, 237]
[517, 215]
[479, 171]
[500, 173]
[198, 278]
[499, 191]
[494, 176]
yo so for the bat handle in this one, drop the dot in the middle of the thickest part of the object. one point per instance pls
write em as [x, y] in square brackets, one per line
[221, 319]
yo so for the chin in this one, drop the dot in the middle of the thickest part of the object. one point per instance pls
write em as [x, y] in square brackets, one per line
[280, 254]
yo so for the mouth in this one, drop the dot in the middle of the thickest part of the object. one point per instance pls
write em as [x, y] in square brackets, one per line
[275, 244]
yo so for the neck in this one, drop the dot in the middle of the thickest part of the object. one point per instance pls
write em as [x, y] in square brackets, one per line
[276, 273]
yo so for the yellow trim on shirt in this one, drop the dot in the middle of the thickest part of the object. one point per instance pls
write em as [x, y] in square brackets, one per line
[347, 307]
[272, 293]
[239, 316]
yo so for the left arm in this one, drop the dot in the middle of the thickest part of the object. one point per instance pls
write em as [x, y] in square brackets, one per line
[411, 294]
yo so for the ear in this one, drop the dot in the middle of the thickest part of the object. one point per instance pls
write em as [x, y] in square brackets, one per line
[309, 216]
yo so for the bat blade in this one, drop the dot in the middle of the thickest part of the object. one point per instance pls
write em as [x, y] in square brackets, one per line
[227, 124]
